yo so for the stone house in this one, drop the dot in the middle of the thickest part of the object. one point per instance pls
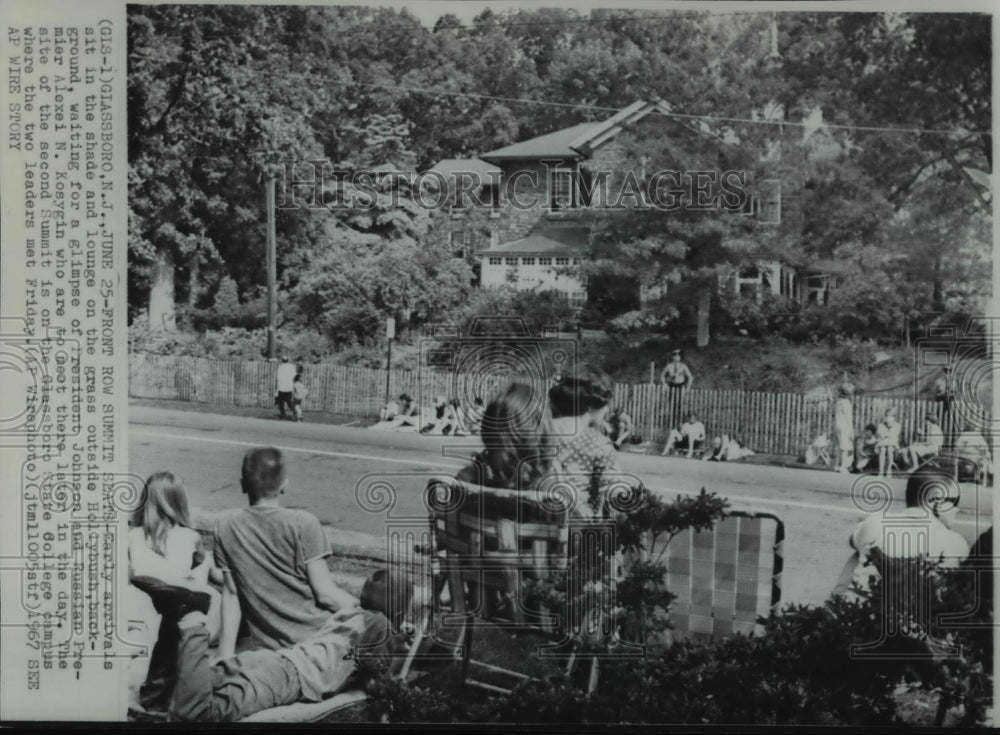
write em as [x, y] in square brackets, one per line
[535, 190]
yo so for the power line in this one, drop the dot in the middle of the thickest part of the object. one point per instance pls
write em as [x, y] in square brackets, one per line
[707, 118]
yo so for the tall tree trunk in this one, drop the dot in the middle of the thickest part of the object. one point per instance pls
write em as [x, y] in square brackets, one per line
[704, 303]
[937, 299]
[162, 315]
[194, 281]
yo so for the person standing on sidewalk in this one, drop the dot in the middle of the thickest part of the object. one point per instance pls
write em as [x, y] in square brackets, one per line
[944, 395]
[299, 393]
[678, 378]
[286, 380]
[843, 426]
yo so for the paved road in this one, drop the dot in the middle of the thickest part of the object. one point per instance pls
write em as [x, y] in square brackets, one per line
[336, 472]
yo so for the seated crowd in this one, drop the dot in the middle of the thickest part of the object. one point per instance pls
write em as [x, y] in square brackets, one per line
[267, 572]
[690, 438]
[880, 448]
[443, 418]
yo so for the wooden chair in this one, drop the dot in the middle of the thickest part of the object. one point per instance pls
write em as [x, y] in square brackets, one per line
[725, 577]
[487, 543]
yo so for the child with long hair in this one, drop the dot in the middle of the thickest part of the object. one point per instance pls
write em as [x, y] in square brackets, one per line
[163, 545]
[518, 445]
[162, 540]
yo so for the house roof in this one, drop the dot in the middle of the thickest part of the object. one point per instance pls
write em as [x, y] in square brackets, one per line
[578, 140]
[550, 145]
[573, 241]
[826, 266]
[479, 169]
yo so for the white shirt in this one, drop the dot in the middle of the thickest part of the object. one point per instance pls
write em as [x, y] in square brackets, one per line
[286, 377]
[910, 533]
[695, 431]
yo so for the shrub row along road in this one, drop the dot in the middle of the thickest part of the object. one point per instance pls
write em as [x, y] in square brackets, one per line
[342, 475]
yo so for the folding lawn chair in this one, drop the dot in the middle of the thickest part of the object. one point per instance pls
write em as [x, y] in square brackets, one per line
[725, 577]
[487, 543]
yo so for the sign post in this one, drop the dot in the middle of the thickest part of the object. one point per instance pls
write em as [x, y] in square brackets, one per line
[390, 333]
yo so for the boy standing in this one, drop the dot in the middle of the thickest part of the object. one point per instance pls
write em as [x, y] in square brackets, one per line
[299, 393]
[274, 563]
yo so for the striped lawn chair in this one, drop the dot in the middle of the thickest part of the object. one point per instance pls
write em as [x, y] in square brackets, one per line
[725, 577]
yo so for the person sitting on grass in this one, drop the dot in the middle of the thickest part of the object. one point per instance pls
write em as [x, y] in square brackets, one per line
[442, 421]
[888, 442]
[865, 453]
[927, 442]
[727, 448]
[402, 415]
[618, 428]
[162, 543]
[237, 686]
[690, 438]
[818, 451]
[390, 409]
[274, 561]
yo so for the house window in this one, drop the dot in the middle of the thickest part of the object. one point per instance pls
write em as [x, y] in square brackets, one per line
[578, 298]
[562, 189]
[527, 261]
[511, 261]
[496, 261]
[545, 261]
[562, 261]
[577, 261]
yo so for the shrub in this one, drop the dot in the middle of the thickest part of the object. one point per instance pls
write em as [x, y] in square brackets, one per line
[803, 669]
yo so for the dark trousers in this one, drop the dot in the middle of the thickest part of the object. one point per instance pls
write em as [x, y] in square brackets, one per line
[285, 401]
[676, 396]
[155, 692]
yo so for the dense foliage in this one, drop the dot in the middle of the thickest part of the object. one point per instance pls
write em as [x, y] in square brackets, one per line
[848, 662]
[222, 96]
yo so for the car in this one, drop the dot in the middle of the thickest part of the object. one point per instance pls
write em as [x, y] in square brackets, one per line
[961, 468]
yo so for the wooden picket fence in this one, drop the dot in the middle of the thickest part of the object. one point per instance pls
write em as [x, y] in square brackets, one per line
[773, 423]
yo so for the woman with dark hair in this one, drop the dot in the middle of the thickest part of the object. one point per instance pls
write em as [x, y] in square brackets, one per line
[518, 447]
[579, 405]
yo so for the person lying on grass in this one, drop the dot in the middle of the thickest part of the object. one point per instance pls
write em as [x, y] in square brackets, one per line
[311, 671]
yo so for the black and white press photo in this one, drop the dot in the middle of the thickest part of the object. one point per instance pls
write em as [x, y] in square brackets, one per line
[580, 365]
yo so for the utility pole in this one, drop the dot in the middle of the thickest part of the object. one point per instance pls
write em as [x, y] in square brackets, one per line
[272, 269]
[390, 333]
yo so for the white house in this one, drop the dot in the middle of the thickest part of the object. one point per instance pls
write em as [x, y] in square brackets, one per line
[547, 259]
